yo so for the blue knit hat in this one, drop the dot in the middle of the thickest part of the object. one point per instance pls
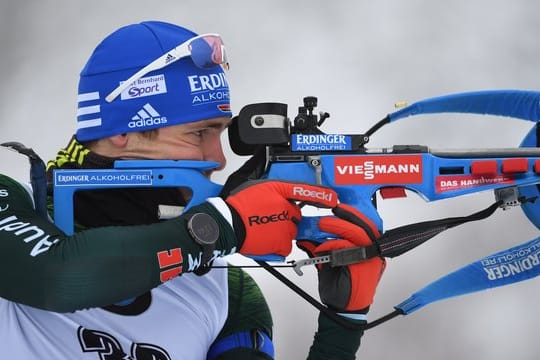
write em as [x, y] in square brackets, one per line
[176, 94]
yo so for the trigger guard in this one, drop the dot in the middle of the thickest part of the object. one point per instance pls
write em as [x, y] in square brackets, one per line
[531, 209]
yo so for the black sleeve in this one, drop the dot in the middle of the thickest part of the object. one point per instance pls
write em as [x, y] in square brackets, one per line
[44, 268]
[333, 341]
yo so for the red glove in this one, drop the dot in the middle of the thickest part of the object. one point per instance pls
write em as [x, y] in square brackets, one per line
[348, 288]
[265, 213]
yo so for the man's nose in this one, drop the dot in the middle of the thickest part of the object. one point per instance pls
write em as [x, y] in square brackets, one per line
[213, 151]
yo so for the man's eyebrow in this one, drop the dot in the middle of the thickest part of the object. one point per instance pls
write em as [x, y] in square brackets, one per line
[210, 124]
[219, 124]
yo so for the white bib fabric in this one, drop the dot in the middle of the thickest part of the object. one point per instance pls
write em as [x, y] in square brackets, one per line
[185, 316]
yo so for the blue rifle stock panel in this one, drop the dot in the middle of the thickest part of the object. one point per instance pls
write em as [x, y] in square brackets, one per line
[134, 174]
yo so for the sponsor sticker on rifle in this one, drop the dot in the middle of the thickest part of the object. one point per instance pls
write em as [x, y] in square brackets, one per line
[380, 169]
[320, 142]
[102, 177]
[460, 182]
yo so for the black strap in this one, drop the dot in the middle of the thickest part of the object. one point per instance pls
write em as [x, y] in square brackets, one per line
[38, 177]
[400, 240]
[397, 241]
[378, 125]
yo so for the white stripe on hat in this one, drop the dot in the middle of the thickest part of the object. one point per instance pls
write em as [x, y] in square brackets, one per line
[151, 110]
[143, 114]
[85, 110]
[88, 123]
[88, 96]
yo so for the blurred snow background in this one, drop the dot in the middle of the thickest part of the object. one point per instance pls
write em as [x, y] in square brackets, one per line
[358, 58]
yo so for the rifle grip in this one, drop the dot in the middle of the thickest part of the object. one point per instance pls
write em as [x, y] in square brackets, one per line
[308, 229]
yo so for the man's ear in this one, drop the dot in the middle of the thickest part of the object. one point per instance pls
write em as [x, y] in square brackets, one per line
[119, 141]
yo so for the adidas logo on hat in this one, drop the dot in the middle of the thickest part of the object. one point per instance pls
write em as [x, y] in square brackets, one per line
[147, 116]
[169, 58]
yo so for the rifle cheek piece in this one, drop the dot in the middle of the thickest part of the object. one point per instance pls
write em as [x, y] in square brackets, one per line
[259, 124]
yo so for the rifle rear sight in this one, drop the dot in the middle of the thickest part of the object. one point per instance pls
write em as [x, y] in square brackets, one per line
[267, 124]
[307, 123]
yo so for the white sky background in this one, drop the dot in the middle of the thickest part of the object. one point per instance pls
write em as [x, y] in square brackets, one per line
[359, 58]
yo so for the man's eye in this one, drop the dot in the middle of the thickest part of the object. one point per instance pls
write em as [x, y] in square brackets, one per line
[198, 133]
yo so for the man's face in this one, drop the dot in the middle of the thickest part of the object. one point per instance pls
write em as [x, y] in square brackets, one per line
[199, 140]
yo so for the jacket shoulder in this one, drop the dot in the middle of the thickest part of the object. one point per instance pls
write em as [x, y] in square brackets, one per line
[14, 191]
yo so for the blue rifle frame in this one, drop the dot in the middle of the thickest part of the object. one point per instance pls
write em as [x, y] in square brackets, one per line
[357, 177]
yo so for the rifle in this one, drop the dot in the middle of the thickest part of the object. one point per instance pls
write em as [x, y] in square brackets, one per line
[298, 150]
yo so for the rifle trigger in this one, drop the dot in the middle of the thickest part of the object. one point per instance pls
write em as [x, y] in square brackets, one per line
[296, 265]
